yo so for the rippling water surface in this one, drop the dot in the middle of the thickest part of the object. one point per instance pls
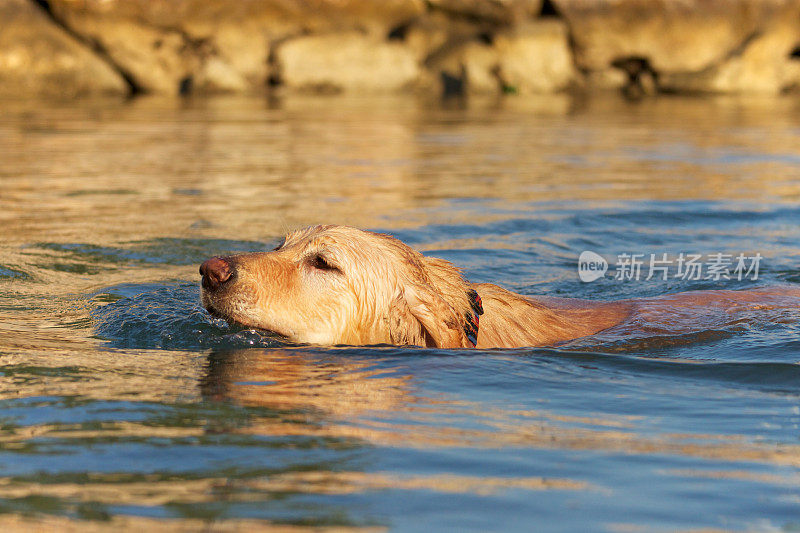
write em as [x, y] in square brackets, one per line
[124, 404]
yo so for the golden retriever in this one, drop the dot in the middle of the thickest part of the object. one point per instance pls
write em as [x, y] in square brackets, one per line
[341, 285]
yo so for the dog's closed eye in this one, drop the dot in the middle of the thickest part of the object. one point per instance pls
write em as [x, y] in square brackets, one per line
[320, 262]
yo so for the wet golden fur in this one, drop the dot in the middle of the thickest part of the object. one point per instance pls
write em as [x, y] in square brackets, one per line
[341, 285]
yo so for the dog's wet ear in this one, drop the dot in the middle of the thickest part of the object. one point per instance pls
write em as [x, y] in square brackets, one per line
[420, 316]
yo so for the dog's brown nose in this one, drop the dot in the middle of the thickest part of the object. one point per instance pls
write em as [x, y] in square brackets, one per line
[215, 272]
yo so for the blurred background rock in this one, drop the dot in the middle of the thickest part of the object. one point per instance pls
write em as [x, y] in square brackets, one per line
[75, 47]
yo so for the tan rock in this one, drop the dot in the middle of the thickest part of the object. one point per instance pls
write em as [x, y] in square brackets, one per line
[217, 45]
[345, 62]
[221, 77]
[452, 48]
[38, 57]
[493, 11]
[531, 58]
[535, 58]
[481, 65]
[203, 17]
[763, 66]
[434, 34]
[156, 59]
[609, 78]
[687, 45]
[674, 35]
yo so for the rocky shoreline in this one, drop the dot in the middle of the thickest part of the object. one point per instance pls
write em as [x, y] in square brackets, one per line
[69, 48]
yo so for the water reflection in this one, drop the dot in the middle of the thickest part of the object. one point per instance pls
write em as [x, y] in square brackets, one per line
[124, 405]
[359, 400]
[234, 168]
[331, 387]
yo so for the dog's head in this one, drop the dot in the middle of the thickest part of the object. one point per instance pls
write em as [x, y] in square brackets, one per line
[341, 285]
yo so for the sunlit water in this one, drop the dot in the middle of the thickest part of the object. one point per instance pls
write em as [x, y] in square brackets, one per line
[124, 404]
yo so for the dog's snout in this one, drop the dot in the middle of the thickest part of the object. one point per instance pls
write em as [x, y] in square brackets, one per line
[215, 272]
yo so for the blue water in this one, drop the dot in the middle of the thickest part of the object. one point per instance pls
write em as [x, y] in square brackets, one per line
[122, 397]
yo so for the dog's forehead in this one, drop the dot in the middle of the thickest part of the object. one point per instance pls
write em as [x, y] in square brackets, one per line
[330, 232]
[320, 235]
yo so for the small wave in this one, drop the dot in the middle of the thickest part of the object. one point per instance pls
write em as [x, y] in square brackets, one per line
[91, 259]
[765, 376]
[167, 317]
